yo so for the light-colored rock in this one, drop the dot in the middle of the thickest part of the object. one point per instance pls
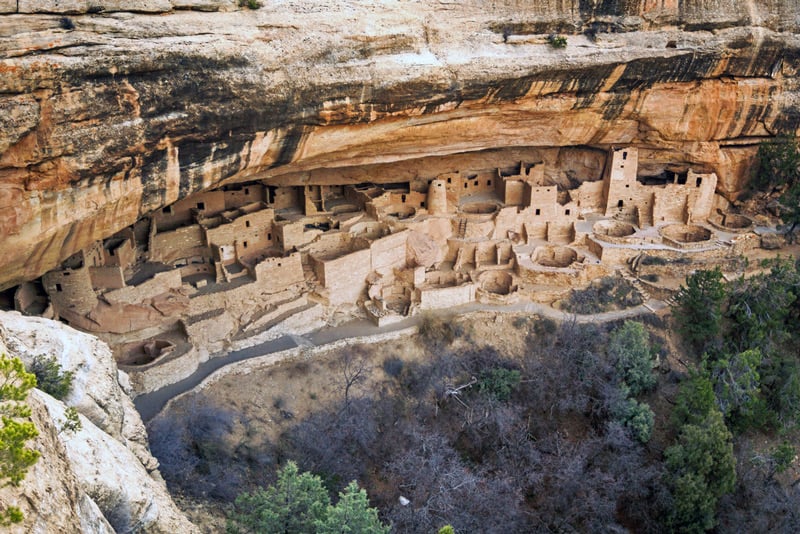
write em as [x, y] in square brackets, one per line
[130, 499]
[101, 117]
[51, 496]
[108, 460]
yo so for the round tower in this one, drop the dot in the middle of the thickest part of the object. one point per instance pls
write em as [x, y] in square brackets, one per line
[437, 198]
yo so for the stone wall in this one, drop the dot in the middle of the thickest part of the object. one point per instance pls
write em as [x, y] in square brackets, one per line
[160, 283]
[169, 247]
[71, 289]
[446, 297]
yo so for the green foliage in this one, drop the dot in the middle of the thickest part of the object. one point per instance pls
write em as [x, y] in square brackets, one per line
[760, 306]
[15, 383]
[782, 456]
[499, 383]
[629, 348]
[447, 529]
[695, 399]
[10, 516]
[50, 377]
[777, 162]
[698, 307]
[351, 515]
[292, 505]
[602, 295]
[250, 4]
[736, 386]
[701, 468]
[15, 458]
[71, 422]
[637, 417]
[557, 41]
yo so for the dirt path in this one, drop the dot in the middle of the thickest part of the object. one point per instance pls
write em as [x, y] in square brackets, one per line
[150, 404]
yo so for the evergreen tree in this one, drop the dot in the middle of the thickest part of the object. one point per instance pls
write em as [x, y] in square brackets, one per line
[701, 469]
[291, 506]
[352, 515]
[15, 457]
[629, 348]
[698, 308]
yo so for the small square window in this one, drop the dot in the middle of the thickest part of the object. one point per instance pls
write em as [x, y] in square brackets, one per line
[566, 212]
[244, 244]
[59, 288]
[538, 211]
[201, 205]
[167, 210]
[246, 191]
[247, 224]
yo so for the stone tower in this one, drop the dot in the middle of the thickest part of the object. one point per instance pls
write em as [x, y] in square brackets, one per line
[437, 198]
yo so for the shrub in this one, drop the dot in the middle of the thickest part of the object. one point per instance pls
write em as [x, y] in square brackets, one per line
[629, 348]
[15, 432]
[51, 377]
[65, 23]
[557, 41]
[393, 366]
[637, 417]
[499, 383]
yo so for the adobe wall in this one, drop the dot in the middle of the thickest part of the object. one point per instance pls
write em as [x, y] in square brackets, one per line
[446, 297]
[122, 254]
[211, 331]
[280, 272]
[70, 289]
[507, 220]
[25, 296]
[541, 201]
[344, 277]
[247, 194]
[181, 213]
[160, 283]
[109, 277]
[254, 228]
[389, 252]
[168, 247]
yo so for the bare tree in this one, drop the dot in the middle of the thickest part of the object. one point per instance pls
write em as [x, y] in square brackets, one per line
[353, 368]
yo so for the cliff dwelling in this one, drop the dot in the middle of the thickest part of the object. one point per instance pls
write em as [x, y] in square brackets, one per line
[233, 262]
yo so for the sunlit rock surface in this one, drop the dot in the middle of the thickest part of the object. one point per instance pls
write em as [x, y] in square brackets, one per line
[108, 115]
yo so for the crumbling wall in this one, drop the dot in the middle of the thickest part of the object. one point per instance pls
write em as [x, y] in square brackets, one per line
[168, 247]
[71, 289]
[160, 283]
[109, 277]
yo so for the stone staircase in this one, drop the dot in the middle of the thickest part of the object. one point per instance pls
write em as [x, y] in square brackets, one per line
[637, 284]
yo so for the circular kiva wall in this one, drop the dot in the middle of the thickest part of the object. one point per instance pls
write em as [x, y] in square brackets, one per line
[686, 233]
[732, 222]
[479, 208]
[145, 352]
[686, 236]
[554, 256]
[497, 282]
[401, 211]
[613, 228]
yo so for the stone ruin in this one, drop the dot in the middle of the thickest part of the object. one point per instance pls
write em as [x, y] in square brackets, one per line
[233, 261]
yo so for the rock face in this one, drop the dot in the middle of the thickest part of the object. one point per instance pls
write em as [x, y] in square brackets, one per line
[108, 115]
[101, 478]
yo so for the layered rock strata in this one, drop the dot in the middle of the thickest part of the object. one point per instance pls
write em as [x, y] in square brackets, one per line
[109, 115]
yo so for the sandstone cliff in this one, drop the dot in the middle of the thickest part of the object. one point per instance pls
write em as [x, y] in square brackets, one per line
[101, 478]
[107, 115]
